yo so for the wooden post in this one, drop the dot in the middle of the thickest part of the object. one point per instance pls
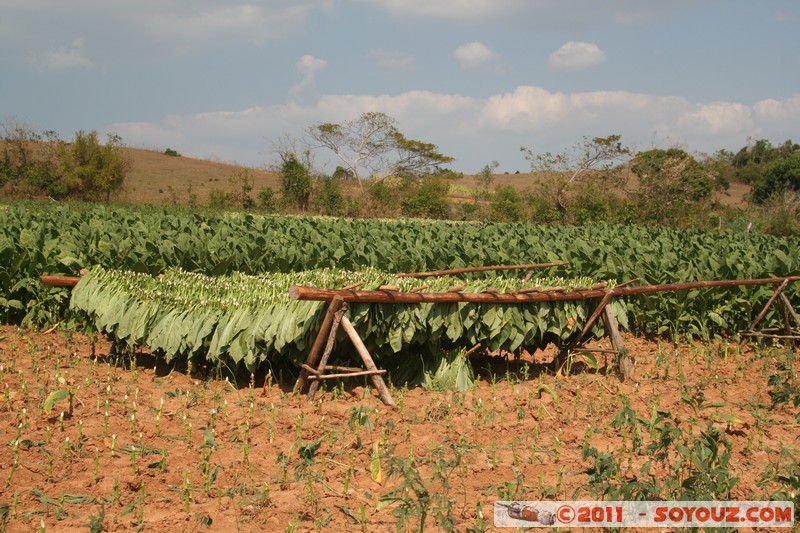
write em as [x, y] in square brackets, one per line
[59, 281]
[623, 361]
[337, 318]
[785, 315]
[313, 355]
[593, 317]
[791, 310]
[348, 374]
[377, 380]
[763, 313]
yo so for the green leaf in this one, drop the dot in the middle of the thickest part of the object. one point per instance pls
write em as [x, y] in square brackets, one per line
[375, 470]
[53, 398]
[542, 388]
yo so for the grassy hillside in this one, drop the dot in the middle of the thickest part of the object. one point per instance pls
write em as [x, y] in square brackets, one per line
[154, 178]
[153, 175]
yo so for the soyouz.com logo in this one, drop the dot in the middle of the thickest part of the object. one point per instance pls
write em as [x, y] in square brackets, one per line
[644, 514]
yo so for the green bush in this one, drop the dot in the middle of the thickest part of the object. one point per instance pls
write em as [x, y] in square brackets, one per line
[82, 169]
[266, 200]
[779, 176]
[295, 182]
[218, 199]
[328, 198]
[384, 197]
[427, 198]
[506, 205]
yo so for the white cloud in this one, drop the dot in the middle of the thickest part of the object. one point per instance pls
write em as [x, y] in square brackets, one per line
[473, 54]
[146, 28]
[718, 117]
[577, 55]
[779, 111]
[63, 57]
[478, 130]
[538, 14]
[308, 66]
[449, 9]
[194, 25]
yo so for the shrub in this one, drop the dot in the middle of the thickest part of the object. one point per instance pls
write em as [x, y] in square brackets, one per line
[384, 197]
[266, 200]
[295, 182]
[427, 198]
[242, 182]
[328, 198]
[507, 205]
[218, 199]
[782, 175]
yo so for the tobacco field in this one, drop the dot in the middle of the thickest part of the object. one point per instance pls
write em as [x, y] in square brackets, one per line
[37, 239]
[157, 395]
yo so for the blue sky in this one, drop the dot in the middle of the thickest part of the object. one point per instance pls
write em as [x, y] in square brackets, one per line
[479, 78]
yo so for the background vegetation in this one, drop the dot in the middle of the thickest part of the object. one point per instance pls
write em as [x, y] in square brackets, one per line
[385, 174]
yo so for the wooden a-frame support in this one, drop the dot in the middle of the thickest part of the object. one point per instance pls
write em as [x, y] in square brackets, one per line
[787, 310]
[316, 364]
[624, 366]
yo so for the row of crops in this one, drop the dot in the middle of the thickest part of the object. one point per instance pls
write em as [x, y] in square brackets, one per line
[239, 321]
[51, 239]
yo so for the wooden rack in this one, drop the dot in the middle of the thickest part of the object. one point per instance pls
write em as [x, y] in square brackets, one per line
[788, 332]
[316, 363]
[390, 295]
[316, 367]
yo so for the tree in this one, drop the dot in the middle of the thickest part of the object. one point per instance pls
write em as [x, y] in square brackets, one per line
[417, 158]
[295, 181]
[28, 164]
[589, 159]
[668, 180]
[779, 176]
[426, 198]
[90, 170]
[44, 164]
[751, 161]
[507, 205]
[484, 179]
[373, 143]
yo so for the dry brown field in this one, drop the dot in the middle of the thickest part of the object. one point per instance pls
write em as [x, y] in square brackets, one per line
[154, 178]
[141, 446]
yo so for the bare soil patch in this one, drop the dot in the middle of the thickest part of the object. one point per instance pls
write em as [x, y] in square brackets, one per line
[149, 447]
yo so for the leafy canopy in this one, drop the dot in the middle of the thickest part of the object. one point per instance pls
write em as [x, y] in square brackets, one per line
[372, 143]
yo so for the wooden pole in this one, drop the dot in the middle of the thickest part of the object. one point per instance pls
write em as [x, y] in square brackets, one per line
[318, 294]
[348, 374]
[763, 313]
[377, 381]
[316, 348]
[791, 310]
[593, 317]
[337, 318]
[454, 271]
[623, 361]
[785, 315]
[59, 281]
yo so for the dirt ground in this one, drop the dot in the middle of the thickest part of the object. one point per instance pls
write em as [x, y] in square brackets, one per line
[147, 447]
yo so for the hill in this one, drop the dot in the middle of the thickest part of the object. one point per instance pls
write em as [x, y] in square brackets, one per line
[157, 178]
[154, 177]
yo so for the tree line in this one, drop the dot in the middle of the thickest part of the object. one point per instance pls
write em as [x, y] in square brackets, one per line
[43, 165]
[382, 172]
